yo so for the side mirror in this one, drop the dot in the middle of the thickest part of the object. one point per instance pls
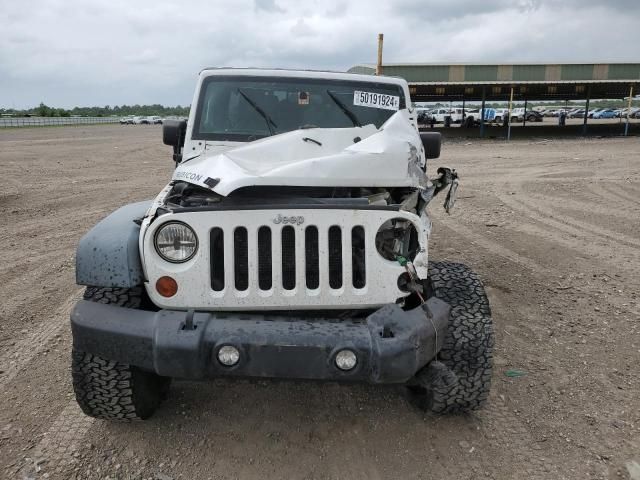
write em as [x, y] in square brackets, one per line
[173, 134]
[431, 142]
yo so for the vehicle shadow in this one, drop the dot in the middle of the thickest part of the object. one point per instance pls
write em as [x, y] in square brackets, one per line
[295, 430]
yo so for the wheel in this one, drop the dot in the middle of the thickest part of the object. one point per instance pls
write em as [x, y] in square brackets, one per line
[459, 379]
[112, 390]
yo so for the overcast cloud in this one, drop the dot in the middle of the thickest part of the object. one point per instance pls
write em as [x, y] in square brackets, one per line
[111, 52]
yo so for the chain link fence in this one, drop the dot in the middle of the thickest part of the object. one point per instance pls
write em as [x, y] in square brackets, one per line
[16, 122]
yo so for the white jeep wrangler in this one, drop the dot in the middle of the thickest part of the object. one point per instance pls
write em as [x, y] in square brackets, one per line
[291, 242]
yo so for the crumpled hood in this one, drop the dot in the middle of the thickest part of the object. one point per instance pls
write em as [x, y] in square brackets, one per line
[316, 157]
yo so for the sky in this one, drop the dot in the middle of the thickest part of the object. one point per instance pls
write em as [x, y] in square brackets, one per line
[69, 53]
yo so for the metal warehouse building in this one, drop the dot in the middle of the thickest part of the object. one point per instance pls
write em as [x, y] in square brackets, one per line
[431, 82]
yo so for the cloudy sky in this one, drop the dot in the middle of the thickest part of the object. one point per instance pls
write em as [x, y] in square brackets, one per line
[110, 52]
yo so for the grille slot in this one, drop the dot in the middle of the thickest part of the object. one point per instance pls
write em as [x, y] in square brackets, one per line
[288, 258]
[265, 277]
[216, 254]
[241, 258]
[335, 257]
[312, 257]
[358, 264]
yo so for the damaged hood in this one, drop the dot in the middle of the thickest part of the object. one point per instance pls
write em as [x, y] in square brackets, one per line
[316, 157]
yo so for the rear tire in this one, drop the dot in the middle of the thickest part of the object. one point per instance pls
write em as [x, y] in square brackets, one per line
[112, 390]
[459, 379]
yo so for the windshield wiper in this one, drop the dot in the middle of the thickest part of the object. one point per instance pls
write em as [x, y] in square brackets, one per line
[264, 114]
[344, 108]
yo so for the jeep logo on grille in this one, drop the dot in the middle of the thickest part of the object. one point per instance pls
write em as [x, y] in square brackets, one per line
[293, 220]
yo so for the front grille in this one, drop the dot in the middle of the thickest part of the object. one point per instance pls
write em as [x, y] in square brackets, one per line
[279, 264]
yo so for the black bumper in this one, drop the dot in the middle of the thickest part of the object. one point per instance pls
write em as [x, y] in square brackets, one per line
[391, 344]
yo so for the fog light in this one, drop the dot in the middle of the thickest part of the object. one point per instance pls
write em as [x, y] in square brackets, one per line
[167, 286]
[228, 355]
[346, 360]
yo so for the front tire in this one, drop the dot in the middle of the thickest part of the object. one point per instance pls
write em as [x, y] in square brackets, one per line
[112, 390]
[459, 379]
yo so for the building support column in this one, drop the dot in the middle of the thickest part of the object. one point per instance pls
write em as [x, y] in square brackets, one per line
[524, 117]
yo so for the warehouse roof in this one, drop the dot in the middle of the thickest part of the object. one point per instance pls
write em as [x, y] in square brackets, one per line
[570, 81]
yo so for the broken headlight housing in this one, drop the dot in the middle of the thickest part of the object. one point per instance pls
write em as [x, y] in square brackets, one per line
[397, 238]
[176, 242]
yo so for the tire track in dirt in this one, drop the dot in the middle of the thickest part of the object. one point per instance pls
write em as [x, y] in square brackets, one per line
[14, 358]
[564, 223]
[473, 239]
[585, 206]
[621, 194]
[612, 199]
[57, 450]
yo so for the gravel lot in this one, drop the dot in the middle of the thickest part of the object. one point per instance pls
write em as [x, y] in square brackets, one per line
[552, 226]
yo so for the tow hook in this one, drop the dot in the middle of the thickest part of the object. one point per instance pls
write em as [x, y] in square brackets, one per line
[188, 320]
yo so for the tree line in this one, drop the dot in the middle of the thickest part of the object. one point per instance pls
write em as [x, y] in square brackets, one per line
[43, 110]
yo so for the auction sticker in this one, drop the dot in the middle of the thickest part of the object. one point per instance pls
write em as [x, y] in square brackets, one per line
[376, 100]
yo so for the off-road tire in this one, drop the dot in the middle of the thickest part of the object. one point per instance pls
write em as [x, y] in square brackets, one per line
[459, 379]
[112, 390]
[123, 297]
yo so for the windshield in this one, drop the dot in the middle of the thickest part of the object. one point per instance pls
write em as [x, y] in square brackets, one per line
[241, 108]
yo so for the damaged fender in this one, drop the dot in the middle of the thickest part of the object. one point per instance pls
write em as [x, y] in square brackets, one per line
[108, 255]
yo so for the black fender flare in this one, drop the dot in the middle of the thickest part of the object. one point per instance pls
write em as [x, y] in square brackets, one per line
[108, 255]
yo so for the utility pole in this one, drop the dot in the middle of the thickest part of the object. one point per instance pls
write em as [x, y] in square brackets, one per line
[379, 64]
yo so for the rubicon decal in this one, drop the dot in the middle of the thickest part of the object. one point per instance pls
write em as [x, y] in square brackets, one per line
[189, 176]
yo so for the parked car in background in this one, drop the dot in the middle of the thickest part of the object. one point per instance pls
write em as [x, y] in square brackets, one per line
[534, 116]
[440, 114]
[500, 113]
[605, 113]
[126, 120]
[579, 113]
[593, 112]
[517, 114]
[138, 120]
[472, 117]
[632, 112]
[151, 120]
[155, 120]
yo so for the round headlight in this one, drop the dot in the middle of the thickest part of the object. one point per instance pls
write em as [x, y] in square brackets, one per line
[175, 242]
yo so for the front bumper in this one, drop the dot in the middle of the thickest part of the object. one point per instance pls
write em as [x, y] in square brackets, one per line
[391, 344]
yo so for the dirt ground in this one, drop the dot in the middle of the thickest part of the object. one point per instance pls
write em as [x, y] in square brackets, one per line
[552, 226]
